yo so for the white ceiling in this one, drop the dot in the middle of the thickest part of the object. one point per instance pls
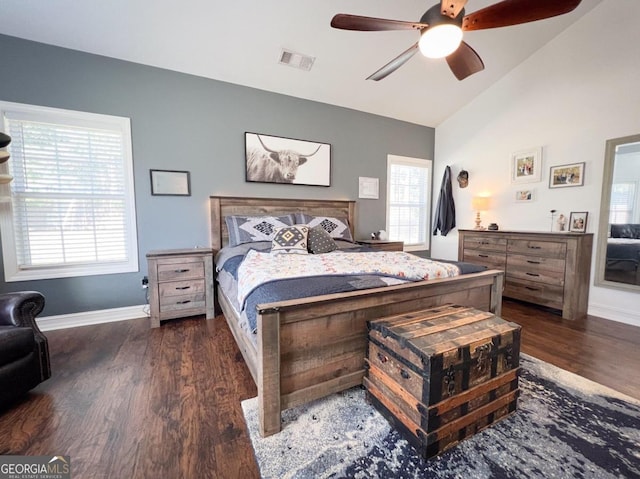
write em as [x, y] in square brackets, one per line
[240, 42]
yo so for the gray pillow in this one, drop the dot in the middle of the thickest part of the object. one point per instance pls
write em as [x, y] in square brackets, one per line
[290, 239]
[338, 228]
[320, 241]
[247, 229]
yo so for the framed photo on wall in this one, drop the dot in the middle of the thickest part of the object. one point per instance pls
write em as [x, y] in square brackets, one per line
[170, 183]
[526, 166]
[525, 196]
[563, 176]
[578, 222]
[274, 159]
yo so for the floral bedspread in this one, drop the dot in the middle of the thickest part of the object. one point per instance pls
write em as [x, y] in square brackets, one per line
[258, 268]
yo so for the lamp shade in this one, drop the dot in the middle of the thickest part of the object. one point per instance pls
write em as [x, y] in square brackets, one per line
[480, 203]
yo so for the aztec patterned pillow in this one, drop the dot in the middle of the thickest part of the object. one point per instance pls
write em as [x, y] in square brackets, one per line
[338, 228]
[320, 241]
[290, 239]
[247, 229]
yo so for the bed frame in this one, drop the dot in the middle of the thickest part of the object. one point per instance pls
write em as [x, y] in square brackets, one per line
[311, 347]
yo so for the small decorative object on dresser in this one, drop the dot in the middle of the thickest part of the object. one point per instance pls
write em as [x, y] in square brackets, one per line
[578, 222]
[549, 269]
[180, 284]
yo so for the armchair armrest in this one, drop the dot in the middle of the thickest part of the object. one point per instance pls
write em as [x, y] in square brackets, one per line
[21, 309]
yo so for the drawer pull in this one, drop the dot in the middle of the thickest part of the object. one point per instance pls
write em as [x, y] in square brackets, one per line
[382, 358]
[181, 271]
[533, 262]
[532, 289]
[535, 247]
[404, 374]
[184, 302]
[533, 274]
[183, 287]
[483, 255]
[484, 242]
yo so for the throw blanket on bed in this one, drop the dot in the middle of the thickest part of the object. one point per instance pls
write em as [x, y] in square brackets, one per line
[260, 268]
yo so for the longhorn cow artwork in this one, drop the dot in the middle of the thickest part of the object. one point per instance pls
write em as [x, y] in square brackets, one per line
[273, 159]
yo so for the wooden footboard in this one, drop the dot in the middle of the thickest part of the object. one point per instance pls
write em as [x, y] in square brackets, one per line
[312, 347]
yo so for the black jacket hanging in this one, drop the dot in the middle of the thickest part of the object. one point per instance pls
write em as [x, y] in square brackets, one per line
[445, 219]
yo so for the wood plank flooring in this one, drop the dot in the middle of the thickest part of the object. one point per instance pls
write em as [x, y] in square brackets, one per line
[126, 401]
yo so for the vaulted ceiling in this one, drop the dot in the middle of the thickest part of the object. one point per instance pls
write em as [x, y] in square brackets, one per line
[241, 41]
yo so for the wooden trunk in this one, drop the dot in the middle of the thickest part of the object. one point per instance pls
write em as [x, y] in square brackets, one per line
[441, 374]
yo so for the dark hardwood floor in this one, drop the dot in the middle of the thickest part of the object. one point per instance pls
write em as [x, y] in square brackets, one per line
[126, 401]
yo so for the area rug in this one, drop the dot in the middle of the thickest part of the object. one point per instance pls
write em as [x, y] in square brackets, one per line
[565, 427]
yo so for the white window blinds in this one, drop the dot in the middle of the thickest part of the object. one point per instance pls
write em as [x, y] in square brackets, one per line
[408, 201]
[623, 199]
[72, 193]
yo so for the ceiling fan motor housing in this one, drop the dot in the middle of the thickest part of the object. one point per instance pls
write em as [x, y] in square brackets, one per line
[434, 16]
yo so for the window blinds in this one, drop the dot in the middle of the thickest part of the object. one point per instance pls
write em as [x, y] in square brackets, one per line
[68, 194]
[408, 203]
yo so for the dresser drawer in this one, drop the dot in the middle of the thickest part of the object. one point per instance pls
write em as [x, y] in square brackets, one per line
[538, 269]
[549, 249]
[485, 243]
[490, 259]
[185, 269]
[182, 303]
[539, 293]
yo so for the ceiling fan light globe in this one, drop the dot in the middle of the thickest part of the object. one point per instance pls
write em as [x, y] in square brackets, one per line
[440, 41]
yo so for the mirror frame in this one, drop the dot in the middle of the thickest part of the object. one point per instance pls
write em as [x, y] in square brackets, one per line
[605, 202]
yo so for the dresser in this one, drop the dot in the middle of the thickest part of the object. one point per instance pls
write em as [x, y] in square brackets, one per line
[549, 269]
[180, 284]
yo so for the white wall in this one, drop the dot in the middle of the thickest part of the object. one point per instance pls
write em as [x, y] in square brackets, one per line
[579, 90]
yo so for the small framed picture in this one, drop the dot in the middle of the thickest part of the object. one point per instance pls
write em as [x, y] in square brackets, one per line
[170, 183]
[563, 176]
[368, 188]
[525, 196]
[526, 166]
[578, 222]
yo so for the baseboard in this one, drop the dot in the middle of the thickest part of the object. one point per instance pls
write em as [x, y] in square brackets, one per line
[615, 314]
[74, 320]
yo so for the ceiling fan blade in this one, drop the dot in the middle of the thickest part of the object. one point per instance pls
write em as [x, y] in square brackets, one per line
[451, 8]
[465, 61]
[394, 64]
[514, 12]
[370, 24]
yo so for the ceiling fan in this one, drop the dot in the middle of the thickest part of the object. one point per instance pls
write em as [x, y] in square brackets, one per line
[442, 25]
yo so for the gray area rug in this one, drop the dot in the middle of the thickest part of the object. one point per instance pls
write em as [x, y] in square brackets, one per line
[565, 427]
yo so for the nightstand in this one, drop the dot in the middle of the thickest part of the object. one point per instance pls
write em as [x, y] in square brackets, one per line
[180, 284]
[380, 245]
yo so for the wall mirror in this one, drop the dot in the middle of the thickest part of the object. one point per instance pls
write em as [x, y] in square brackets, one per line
[618, 253]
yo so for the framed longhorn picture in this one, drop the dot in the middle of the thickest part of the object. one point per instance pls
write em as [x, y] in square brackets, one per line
[274, 159]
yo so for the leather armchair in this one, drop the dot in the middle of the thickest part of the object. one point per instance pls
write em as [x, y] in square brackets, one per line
[24, 350]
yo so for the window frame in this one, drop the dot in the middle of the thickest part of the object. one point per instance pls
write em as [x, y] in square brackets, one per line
[12, 271]
[422, 163]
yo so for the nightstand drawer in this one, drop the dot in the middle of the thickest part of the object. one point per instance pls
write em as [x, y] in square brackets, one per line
[181, 303]
[180, 271]
[181, 288]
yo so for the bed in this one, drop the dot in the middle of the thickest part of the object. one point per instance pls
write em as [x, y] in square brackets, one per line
[307, 348]
[623, 254]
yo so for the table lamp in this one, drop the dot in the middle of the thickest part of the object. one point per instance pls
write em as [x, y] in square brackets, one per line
[479, 203]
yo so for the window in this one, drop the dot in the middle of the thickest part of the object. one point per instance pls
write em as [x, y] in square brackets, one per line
[623, 199]
[69, 210]
[408, 205]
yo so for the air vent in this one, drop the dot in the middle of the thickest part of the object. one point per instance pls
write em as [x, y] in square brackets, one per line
[296, 60]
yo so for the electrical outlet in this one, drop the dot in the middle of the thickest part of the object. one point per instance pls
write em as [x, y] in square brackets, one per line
[145, 282]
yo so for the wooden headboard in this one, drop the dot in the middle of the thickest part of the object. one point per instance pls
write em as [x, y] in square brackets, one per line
[222, 206]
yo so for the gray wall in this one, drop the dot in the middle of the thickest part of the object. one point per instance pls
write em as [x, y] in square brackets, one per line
[184, 122]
